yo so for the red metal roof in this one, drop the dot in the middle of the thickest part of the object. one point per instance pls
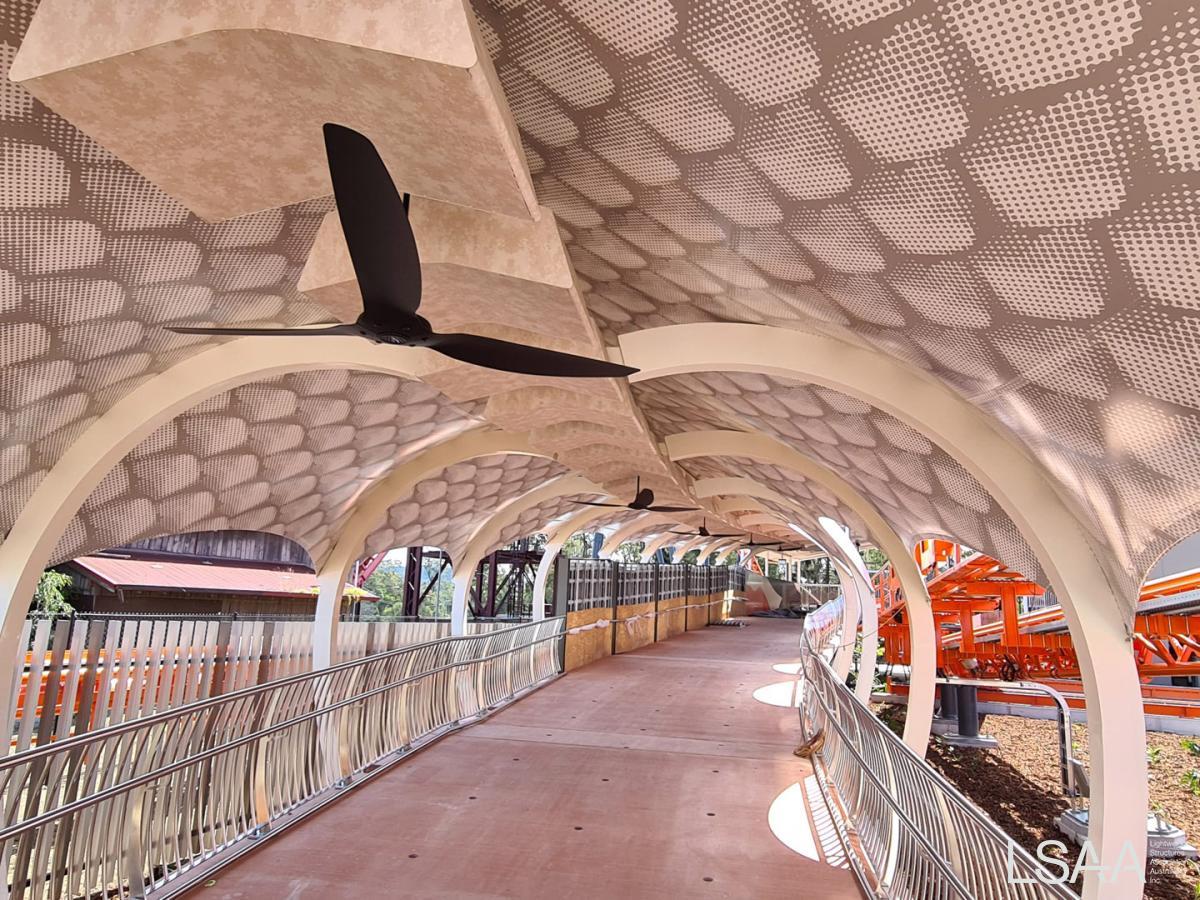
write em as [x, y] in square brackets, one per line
[147, 574]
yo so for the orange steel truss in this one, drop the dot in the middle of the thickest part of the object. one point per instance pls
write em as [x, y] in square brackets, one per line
[983, 632]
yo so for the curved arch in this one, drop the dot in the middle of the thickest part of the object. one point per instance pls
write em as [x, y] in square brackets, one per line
[372, 507]
[687, 546]
[488, 532]
[920, 621]
[853, 603]
[859, 599]
[1098, 600]
[46, 515]
[717, 546]
[655, 544]
[554, 544]
[1192, 537]
[859, 581]
[759, 518]
[624, 533]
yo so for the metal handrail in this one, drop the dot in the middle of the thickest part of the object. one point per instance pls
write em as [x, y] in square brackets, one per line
[1066, 762]
[129, 808]
[907, 831]
[145, 778]
[70, 743]
[934, 856]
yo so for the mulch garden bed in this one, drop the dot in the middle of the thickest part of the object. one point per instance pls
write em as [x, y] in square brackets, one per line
[1018, 785]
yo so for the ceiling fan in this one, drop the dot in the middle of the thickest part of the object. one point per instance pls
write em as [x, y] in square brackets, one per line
[792, 548]
[643, 501]
[704, 532]
[384, 253]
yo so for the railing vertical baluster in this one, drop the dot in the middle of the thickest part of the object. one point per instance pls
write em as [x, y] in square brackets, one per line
[914, 835]
[142, 802]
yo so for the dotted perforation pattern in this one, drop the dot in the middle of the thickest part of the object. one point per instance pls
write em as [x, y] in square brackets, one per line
[290, 455]
[1001, 193]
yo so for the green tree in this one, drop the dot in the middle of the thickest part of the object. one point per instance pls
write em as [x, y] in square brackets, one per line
[818, 571]
[578, 545]
[387, 583]
[440, 597]
[631, 551]
[874, 558]
[50, 598]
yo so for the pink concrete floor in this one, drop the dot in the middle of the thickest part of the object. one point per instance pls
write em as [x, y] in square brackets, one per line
[645, 775]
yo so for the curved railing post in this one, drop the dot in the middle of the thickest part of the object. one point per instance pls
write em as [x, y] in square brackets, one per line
[904, 828]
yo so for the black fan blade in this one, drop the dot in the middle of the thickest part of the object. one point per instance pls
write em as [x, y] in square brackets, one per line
[506, 356]
[685, 533]
[271, 332]
[594, 503]
[671, 509]
[375, 224]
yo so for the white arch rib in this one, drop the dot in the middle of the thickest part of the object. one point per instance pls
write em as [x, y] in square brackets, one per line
[1098, 599]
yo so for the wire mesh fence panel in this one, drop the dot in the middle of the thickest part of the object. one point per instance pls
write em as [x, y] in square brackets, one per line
[590, 584]
[636, 583]
[87, 672]
[720, 579]
[672, 581]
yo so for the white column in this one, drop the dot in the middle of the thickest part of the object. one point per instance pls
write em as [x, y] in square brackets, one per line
[487, 533]
[545, 565]
[458, 608]
[687, 547]
[655, 544]
[858, 578]
[851, 612]
[331, 586]
[554, 545]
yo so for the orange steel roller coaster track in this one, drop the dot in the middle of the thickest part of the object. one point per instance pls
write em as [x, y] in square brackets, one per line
[983, 633]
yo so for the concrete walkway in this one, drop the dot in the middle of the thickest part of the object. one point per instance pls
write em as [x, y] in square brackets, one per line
[649, 774]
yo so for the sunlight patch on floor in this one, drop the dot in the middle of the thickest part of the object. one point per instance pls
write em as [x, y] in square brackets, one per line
[800, 821]
[788, 820]
[782, 693]
[787, 668]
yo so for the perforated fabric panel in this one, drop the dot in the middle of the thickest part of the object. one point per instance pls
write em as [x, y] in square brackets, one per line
[915, 486]
[650, 529]
[1002, 193]
[1020, 224]
[444, 510]
[536, 518]
[810, 499]
[92, 258]
[290, 456]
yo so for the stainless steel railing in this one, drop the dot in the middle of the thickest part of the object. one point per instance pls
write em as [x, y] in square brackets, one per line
[907, 831]
[135, 807]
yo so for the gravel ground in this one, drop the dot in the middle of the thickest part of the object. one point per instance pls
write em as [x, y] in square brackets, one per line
[1018, 785]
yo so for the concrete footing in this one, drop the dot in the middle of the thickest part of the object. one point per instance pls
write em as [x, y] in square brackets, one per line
[1163, 840]
[978, 741]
